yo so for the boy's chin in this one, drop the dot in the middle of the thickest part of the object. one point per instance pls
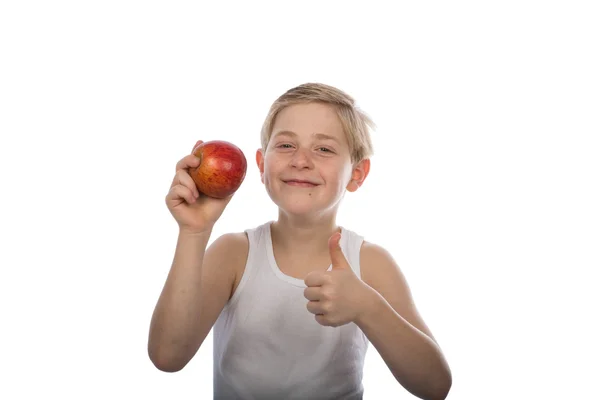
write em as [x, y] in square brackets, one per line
[298, 209]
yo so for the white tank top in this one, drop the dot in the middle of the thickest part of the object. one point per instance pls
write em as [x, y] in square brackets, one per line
[268, 346]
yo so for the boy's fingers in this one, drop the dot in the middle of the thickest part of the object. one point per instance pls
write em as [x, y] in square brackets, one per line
[183, 178]
[312, 293]
[181, 192]
[189, 161]
[197, 144]
[315, 278]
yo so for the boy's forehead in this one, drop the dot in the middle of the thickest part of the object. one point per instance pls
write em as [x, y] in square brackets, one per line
[313, 119]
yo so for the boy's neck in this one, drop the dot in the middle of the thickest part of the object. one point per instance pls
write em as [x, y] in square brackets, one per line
[296, 236]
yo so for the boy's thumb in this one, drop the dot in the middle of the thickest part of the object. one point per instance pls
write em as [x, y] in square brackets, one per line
[338, 260]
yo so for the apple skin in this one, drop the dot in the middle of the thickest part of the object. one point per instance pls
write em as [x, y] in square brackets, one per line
[222, 168]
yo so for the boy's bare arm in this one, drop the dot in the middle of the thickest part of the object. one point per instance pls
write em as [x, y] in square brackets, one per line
[395, 327]
[197, 288]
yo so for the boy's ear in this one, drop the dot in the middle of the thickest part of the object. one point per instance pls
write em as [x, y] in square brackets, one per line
[260, 162]
[359, 174]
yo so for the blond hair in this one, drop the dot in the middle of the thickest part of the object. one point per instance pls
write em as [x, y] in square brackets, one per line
[356, 123]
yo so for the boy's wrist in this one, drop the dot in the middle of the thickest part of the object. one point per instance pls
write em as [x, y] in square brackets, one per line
[197, 234]
[372, 303]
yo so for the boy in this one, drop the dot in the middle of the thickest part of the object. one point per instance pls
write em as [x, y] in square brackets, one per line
[294, 302]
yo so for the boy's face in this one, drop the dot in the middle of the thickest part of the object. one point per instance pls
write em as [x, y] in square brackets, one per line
[306, 167]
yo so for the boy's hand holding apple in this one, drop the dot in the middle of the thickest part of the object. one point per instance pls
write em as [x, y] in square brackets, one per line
[204, 183]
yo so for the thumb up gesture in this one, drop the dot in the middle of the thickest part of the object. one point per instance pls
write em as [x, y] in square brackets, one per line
[336, 297]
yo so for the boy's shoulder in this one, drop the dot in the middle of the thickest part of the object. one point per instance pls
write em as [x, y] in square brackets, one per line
[374, 254]
[377, 264]
[237, 238]
[236, 244]
[371, 249]
[231, 245]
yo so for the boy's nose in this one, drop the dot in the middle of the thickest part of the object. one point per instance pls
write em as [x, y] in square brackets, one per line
[301, 159]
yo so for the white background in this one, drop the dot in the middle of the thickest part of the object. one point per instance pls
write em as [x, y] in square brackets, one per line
[484, 184]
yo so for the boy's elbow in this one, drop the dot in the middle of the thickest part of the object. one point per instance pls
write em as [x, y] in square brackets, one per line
[444, 389]
[437, 390]
[166, 367]
[165, 363]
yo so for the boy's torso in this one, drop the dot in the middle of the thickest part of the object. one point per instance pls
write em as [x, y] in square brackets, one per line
[266, 343]
[289, 265]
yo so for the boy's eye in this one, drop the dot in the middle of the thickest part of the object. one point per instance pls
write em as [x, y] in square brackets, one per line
[290, 146]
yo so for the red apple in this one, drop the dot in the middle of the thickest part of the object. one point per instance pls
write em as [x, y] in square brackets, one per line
[222, 168]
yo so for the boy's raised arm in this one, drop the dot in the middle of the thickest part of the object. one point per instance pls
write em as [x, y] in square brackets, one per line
[200, 281]
[197, 288]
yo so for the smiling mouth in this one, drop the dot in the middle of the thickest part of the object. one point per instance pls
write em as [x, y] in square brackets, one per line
[300, 184]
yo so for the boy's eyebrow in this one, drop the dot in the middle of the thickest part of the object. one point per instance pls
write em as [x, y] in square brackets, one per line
[317, 135]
